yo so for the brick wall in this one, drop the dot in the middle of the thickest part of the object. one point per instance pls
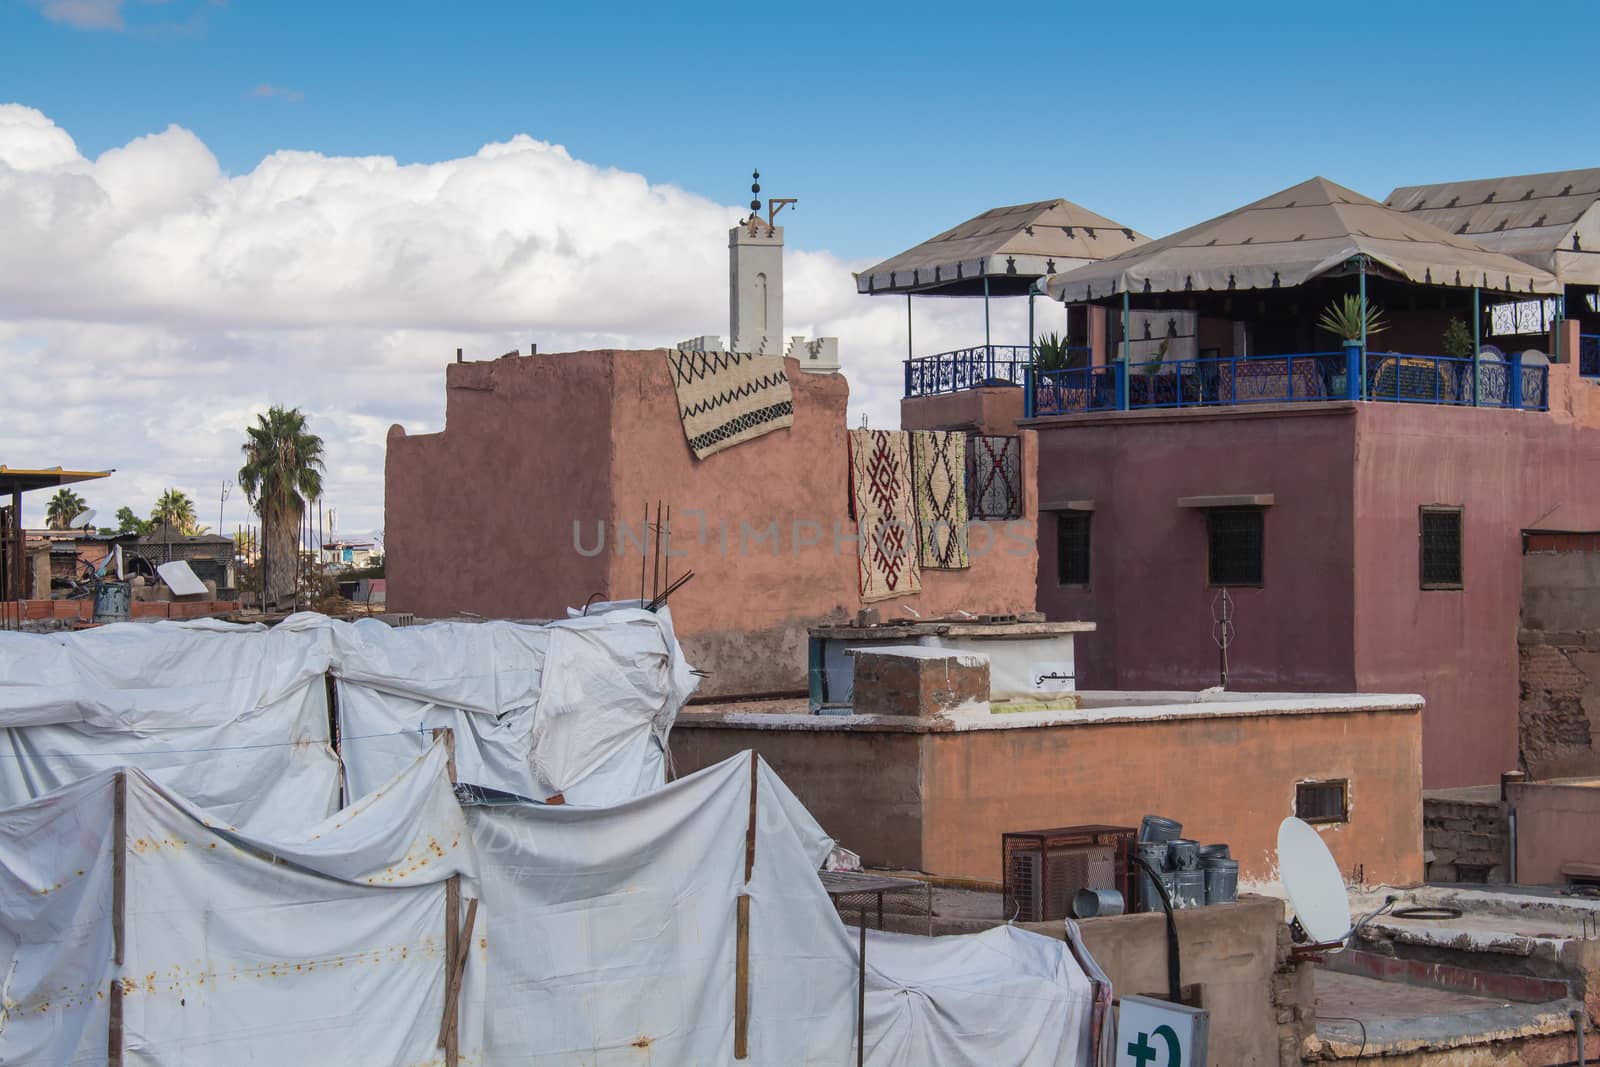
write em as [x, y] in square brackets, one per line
[1465, 837]
[1558, 716]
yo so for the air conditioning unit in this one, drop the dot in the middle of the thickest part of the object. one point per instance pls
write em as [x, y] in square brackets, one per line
[1044, 869]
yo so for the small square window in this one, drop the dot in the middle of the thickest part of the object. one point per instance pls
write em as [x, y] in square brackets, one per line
[1072, 547]
[1323, 801]
[1234, 549]
[1440, 532]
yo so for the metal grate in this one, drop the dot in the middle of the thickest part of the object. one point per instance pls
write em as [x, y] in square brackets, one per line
[1234, 549]
[1323, 801]
[994, 477]
[1440, 531]
[1044, 869]
[1072, 547]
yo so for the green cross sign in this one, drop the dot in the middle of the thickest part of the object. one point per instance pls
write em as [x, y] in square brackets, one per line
[1144, 1053]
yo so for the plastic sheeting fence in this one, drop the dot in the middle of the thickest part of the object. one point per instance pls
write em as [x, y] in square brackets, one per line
[686, 926]
[236, 718]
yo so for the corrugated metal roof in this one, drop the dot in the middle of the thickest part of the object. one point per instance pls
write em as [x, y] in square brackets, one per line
[1011, 245]
[1292, 236]
[1548, 220]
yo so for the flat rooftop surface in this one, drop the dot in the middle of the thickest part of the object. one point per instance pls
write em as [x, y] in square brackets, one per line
[1356, 997]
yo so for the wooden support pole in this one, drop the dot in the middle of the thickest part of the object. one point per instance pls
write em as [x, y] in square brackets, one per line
[457, 949]
[741, 989]
[114, 1032]
[119, 905]
[449, 736]
[119, 862]
[861, 991]
[750, 830]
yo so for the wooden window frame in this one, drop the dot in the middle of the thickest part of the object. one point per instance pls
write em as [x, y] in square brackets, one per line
[1422, 546]
[1343, 785]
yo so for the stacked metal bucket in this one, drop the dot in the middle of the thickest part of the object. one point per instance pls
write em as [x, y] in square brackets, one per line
[1192, 874]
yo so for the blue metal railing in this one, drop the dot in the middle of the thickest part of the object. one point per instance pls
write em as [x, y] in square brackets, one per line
[970, 368]
[1288, 379]
[1589, 355]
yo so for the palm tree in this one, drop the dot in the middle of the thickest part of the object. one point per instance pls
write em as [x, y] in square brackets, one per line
[175, 511]
[282, 471]
[62, 509]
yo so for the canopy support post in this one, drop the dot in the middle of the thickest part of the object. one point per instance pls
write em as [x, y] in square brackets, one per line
[988, 345]
[1030, 324]
[909, 353]
[1477, 330]
[1361, 266]
[1125, 355]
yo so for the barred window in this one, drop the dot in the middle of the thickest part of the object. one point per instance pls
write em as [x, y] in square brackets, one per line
[1235, 545]
[1440, 532]
[1072, 547]
[1323, 801]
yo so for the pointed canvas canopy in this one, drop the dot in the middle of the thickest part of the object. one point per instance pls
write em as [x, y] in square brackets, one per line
[1551, 221]
[1296, 235]
[1012, 246]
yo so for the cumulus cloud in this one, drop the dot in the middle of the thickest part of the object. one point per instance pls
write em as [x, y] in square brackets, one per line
[151, 304]
[85, 14]
[293, 96]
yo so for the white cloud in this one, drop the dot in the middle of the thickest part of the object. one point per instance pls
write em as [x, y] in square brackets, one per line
[85, 14]
[293, 96]
[150, 304]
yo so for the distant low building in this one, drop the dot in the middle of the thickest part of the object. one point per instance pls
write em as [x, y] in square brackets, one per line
[352, 554]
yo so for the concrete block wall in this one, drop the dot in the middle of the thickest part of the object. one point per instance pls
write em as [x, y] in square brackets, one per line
[1461, 833]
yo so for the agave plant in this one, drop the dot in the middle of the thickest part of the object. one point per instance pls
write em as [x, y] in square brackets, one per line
[1345, 318]
[1051, 352]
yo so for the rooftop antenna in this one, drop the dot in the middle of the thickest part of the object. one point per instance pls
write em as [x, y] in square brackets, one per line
[774, 205]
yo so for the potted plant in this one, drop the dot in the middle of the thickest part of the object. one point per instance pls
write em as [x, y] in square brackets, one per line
[1350, 319]
[1457, 340]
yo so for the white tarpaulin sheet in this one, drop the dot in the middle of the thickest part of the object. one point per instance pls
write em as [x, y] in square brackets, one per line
[615, 934]
[1003, 996]
[323, 946]
[604, 936]
[581, 707]
[233, 717]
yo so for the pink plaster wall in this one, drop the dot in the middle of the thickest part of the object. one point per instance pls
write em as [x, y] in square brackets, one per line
[994, 410]
[1509, 471]
[1558, 822]
[480, 517]
[1148, 572]
[1341, 607]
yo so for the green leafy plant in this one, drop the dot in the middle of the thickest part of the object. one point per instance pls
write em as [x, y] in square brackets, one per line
[1343, 318]
[1052, 352]
[1153, 364]
[65, 506]
[1457, 341]
[282, 472]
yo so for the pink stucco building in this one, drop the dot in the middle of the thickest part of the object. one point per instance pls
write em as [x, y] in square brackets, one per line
[532, 500]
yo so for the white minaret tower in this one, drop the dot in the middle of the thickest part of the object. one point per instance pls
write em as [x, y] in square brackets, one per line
[755, 279]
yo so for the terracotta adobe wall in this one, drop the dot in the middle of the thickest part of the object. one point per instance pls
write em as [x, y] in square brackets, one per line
[938, 801]
[481, 517]
[992, 410]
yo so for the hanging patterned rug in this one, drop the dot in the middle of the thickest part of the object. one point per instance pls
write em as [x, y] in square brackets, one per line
[886, 524]
[725, 398]
[939, 487]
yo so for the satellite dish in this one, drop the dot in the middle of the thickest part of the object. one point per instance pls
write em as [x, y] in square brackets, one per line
[1312, 880]
[82, 518]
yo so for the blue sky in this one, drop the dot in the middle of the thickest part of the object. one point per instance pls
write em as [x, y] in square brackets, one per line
[888, 122]
[171, 261]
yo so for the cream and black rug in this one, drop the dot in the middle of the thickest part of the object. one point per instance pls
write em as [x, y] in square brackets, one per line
[886, 524]
[939, 488]
[725, 398]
